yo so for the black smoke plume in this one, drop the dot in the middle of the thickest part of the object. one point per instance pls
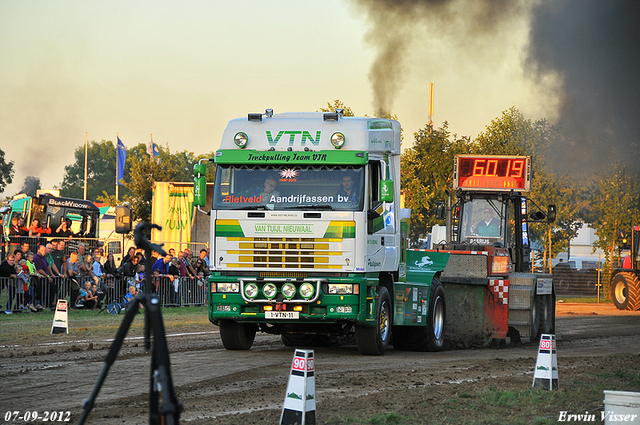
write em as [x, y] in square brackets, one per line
[593, 46]
[395, 23]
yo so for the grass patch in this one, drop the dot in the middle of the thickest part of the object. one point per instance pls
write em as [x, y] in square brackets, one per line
[17, 327]
[581, 393]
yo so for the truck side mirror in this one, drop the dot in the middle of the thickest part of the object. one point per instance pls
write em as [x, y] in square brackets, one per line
[123, 219]
[439, 210]
[551, 213]
[386, 190]
[200, 184]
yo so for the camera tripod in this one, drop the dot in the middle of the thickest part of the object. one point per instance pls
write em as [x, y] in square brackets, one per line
[168, 413]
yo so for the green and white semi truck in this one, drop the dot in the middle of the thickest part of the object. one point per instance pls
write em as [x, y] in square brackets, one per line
[308, 239]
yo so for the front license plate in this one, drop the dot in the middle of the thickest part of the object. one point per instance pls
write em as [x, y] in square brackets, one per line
[281, 314]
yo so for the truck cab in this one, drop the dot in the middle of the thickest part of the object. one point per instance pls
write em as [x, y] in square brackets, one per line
[306, 238]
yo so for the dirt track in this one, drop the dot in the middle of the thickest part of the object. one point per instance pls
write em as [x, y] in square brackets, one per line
[222, 387]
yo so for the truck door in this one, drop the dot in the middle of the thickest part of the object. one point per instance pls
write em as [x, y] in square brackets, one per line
[382, 252]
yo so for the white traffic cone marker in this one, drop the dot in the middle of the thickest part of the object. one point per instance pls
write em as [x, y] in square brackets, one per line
[60, 318]
[300, 400]
[546, 374]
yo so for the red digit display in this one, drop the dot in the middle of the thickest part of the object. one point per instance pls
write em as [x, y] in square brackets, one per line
[495, 173]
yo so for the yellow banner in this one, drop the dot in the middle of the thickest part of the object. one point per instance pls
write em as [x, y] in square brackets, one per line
[172, 209]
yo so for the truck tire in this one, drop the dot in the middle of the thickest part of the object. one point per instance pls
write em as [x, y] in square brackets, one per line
[436, 317]
[425, 338]
[535, 318]
[625, 291]
[375, 340]
[547, 313]
[237, 336]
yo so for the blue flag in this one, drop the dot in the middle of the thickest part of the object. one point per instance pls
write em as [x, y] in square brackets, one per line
[121, 159]
[152, 150]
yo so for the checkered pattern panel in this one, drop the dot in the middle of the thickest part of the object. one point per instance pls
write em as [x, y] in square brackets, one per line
[500, 288]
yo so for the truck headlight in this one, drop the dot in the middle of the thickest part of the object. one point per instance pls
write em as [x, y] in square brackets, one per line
[307, 290]
[337, 140]
[241, 139]
[228, 287]
[269, 290]
[340, 288]
[289, 290]
[251, 290]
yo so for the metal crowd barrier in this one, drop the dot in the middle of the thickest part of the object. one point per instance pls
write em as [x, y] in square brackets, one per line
[15, 294]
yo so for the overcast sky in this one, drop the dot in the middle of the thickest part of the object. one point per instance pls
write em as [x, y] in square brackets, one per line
[182, 70]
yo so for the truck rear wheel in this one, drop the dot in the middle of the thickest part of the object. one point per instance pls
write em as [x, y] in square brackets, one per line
[436, 317]
[425, 338]
[535, 318]
[237, 336]
[625, 291]
[375, 340]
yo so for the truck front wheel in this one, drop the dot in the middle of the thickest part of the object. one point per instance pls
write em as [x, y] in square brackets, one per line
[237, 336]
[625, 291]
[375, 340]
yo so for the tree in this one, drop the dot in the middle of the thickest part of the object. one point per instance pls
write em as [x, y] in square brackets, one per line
[615, 204]
[144, 171]
[427, 172]
[6, 172]
[559, 190]
[101, 175]
[338, 104]
[31, 185]
[513, 134]
[510, 134]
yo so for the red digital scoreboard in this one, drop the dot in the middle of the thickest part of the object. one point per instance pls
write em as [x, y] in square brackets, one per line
[493, 172]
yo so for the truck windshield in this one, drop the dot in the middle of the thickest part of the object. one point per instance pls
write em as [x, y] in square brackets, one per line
[482, 222]
[323, 187]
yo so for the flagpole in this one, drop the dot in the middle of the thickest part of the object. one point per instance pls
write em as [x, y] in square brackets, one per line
[117, 138]
[86, 149]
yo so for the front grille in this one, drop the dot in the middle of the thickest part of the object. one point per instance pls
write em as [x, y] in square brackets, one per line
[310, 245]
[290, 253]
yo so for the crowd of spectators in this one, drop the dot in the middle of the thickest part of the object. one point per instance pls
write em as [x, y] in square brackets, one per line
[36, 274]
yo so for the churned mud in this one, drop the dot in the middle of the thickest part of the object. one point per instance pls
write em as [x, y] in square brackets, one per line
[216, 386]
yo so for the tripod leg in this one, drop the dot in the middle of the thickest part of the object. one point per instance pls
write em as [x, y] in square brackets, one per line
[109, 360]
[161, 370]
